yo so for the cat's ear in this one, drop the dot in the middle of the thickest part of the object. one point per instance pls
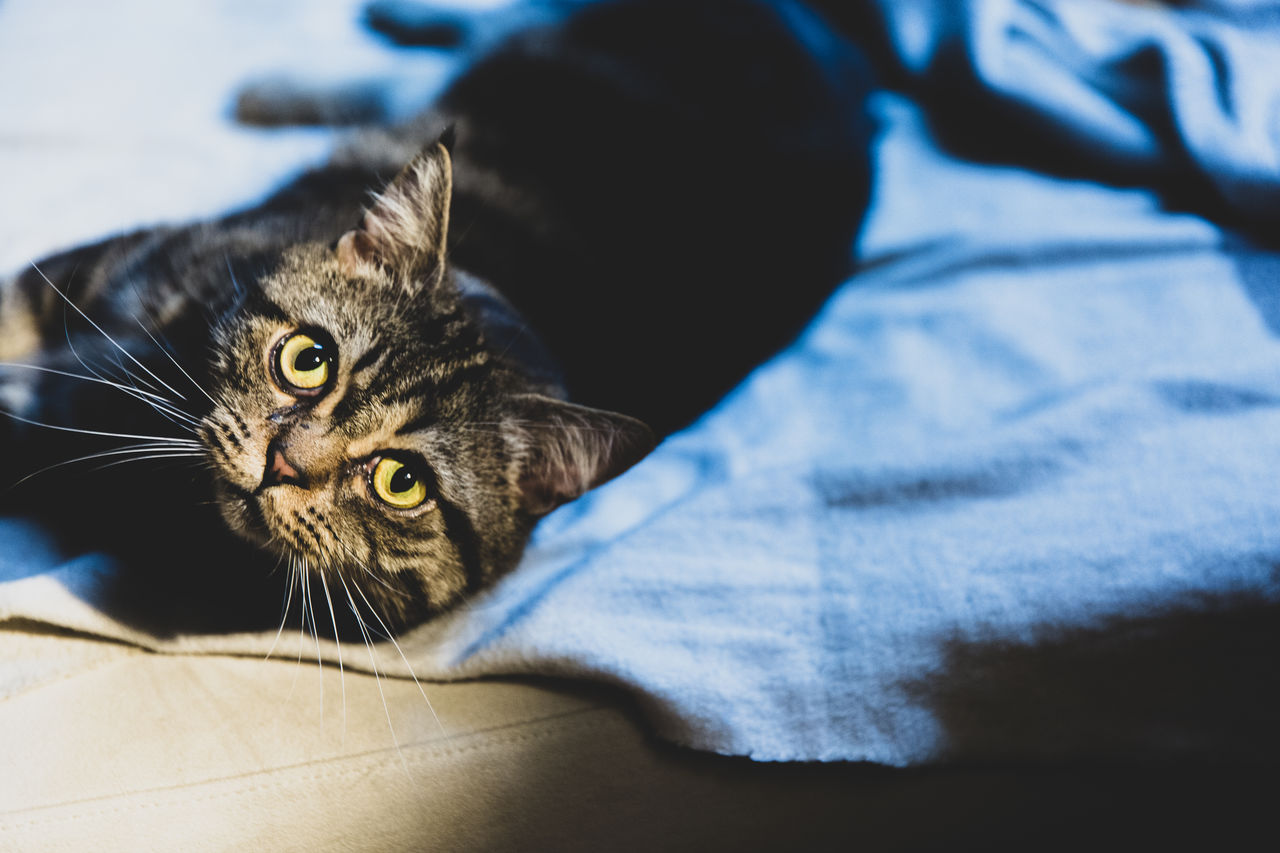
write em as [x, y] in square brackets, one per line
[405, 229]
[567, 449]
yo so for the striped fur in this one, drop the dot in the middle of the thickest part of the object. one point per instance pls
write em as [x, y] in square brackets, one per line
[418, 374]
[415, 376]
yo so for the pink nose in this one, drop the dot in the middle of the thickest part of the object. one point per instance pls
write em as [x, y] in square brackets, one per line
[280, 471]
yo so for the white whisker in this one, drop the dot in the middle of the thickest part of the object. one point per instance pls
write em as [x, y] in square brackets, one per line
[179, 420]
[341, 672]
[66, 332]
[409, 666]
[131, 390]
[358, 563]
[403, 657]
[169, 356]
[98, 379]
[315, 634]
[368, 644]
[185, 454]
[103, 332]
[295, 566]
[133, 448]
[288, 601]
[71, 347]
[189, 441]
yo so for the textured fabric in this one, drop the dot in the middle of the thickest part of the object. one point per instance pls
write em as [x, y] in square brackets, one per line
[197, 753]
[1176, 101]
[184, 753]
[1012, 493]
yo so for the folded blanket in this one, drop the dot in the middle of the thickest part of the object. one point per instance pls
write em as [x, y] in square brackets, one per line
[1011, 495]
[1142, 96]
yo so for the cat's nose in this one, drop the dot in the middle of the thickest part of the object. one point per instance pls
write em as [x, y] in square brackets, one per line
[280, 471]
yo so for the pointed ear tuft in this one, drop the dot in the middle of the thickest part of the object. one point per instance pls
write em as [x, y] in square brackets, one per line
[569, 449]
[406, 228]
[448, 137]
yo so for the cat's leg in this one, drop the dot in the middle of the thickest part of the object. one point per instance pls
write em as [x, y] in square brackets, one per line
[289, 100]
[411, 23]
[284, 100]
[419, 23]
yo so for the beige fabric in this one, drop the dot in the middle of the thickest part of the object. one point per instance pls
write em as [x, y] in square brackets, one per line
[107, 747]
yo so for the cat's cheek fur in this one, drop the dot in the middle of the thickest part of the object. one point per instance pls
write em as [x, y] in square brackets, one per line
[236, 451]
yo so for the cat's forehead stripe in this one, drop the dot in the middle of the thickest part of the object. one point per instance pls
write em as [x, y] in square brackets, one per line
[452, 381]
[265, 307]
[369, 359]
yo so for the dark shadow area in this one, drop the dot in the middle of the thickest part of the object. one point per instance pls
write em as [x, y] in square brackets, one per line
[1001, 478]
[1211, 398]
[1260, 276]
[669, 798]
[695, 168]
[1197, 681]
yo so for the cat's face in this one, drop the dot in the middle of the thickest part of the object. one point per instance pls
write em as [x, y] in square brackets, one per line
[363, 428]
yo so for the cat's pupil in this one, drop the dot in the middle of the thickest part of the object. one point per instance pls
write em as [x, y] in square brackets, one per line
[309, 359]
[402, 480]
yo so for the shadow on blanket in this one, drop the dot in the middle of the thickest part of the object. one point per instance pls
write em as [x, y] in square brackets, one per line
[1259, 272]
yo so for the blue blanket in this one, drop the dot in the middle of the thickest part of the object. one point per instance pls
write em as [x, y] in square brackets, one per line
[1012, 495]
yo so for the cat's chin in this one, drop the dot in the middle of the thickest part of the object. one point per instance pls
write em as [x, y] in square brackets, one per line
[243, 515]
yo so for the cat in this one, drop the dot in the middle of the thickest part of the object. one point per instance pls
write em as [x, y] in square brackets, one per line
[626, 205]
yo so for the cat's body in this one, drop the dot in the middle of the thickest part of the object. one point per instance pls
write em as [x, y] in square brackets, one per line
[663, 191]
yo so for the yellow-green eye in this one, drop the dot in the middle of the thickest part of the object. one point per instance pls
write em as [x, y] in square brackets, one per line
[398, 484]
[305, 361]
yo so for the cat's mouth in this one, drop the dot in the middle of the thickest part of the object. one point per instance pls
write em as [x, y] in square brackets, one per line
[242, 510]
[286, 528]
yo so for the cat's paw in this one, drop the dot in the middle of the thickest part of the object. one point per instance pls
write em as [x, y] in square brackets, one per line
[415, 24]
[283, 101]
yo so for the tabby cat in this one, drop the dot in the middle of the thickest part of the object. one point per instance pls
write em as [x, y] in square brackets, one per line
[663, 190]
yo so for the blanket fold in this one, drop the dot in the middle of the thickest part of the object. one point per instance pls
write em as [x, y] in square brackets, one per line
[1173, 99]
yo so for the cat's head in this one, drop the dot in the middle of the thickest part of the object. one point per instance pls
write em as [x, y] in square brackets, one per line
[364, 427]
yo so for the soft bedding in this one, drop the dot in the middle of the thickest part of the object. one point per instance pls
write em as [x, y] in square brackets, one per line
[1011, 495]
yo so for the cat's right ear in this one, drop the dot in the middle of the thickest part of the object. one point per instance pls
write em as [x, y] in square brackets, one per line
[405, 230]
[566, 449]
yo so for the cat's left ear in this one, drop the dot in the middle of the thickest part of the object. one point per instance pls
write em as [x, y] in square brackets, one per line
[566, 449]
[405, 230]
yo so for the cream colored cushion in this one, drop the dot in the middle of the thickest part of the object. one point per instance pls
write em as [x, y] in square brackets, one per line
[105, 747]
[108, 747]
